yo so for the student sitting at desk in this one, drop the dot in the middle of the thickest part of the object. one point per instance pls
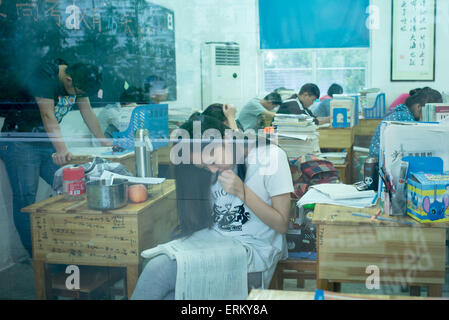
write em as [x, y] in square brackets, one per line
[401, 99]
[323, 109]
[410, 111]
[157, 89]
[300, 103]
[225, 113]
[247, 200]
[251, 112]
[333, 89]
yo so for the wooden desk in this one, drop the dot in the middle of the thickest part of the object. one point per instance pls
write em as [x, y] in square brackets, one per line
[366, 127]
[412, 255]
[70, 233]
[336, 138]
[339, 138]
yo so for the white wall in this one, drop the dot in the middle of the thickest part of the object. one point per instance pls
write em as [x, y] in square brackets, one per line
[381, 53]
[199, 21]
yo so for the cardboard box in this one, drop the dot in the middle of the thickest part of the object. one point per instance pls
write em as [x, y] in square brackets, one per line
[428, 197]
[410, 139]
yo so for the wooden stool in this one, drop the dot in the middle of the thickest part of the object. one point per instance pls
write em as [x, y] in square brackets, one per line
[300, 269]
[95, 282]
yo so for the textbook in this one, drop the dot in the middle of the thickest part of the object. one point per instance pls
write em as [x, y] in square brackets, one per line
[435, 112]
[297, 134]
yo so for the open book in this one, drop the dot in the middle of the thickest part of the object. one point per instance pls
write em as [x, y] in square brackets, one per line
[210, 266]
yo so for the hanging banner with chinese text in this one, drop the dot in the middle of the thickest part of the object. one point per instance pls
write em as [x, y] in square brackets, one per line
[413, 40]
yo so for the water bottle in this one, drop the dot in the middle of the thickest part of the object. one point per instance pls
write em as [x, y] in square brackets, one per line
[371, 173]
[142, 151]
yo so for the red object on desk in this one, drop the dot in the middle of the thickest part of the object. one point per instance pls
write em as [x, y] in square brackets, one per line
[268, 130]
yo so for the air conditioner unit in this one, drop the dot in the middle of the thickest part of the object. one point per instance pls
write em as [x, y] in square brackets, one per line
[221, 79]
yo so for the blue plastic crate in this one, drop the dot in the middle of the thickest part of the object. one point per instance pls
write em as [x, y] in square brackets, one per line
[154, 118]
[377, 111]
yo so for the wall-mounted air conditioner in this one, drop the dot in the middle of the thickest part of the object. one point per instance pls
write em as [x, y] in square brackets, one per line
[221, 79]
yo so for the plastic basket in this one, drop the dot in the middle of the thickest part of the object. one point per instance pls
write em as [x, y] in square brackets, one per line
[377, 111]
[154, 118]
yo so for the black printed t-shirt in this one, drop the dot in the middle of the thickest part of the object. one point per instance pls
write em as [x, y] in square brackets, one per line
[24, 114]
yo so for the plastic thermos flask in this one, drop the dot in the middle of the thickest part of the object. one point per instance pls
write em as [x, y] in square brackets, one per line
[371, 173]
[142, 152]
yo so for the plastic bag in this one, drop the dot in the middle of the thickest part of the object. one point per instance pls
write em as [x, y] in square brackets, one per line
[92, 169]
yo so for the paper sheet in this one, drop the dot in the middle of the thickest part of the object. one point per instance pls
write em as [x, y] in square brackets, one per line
[210, 266]
[98, 152]
[303, 137]
[314, 196]
[107, 175]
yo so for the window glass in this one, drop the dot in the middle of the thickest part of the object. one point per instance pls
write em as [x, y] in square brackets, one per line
[293, 68]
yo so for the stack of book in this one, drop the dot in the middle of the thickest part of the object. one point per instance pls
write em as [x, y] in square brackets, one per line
[297, 134]
[337, 158]
[435, 112]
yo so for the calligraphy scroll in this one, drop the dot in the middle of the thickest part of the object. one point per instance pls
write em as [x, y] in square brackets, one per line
[413, 40]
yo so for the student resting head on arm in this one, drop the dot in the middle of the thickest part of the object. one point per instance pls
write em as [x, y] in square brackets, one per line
[410, 111]
[229, 185]
[225, 113]
[401, 99]
[258, 109]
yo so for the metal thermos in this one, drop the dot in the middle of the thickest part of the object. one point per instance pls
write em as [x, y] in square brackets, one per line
[142, 151]
[371, 173]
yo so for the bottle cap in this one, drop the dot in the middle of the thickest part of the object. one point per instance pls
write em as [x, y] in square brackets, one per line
[73, 173]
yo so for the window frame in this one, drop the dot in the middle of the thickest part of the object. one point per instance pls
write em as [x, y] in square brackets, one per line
[314, 68]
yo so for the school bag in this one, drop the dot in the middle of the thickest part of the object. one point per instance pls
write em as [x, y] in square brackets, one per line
[309, 170]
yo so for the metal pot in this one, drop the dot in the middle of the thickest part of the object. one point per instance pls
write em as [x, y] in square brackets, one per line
[102, 195]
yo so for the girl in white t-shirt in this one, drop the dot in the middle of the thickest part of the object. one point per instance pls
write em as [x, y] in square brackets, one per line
[238, 188]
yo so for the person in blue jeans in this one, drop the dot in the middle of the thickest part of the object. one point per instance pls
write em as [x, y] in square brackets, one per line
[31, 143]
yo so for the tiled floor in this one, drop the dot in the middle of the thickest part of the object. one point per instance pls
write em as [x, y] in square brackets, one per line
[17, 282]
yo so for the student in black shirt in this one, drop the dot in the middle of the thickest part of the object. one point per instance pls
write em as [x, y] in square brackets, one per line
[32, 145]
[300, 103]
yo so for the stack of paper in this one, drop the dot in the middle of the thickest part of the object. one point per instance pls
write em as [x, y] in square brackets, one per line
[297, 134]
[335, 157]
[338, 194]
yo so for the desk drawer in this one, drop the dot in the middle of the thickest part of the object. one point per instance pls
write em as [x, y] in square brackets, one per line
[95, 239]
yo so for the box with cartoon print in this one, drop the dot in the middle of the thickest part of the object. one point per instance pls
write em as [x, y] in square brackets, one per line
[428, 197]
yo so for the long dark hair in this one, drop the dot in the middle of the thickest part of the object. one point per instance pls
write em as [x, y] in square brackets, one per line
[424, 96]
[193, 184]
[214, 111]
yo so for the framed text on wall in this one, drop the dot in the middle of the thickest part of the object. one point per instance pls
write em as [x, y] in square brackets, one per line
[413, 40]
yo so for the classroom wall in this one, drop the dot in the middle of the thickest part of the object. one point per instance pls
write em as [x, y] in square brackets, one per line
[199, 21]
[381, 53]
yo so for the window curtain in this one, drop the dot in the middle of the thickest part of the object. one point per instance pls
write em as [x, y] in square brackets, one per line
[300, 24]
